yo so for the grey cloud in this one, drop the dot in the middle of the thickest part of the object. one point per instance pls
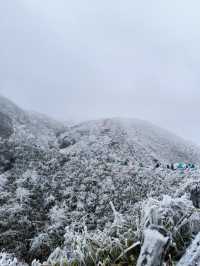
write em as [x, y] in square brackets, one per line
[91, 59]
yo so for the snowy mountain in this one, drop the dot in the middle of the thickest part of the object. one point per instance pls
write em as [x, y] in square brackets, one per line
[27, 126]
[55, 181]
[130, 139]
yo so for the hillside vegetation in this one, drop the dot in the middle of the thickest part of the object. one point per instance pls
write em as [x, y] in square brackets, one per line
[95, 193]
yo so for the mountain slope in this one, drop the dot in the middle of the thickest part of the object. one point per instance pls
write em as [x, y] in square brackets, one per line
[52, 176]
[27, 126]
[135, 140]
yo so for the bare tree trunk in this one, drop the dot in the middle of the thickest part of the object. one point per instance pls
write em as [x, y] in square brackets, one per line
[154, 248]
[192, 255]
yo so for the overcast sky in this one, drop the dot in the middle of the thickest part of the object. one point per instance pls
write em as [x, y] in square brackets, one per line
[86, 59]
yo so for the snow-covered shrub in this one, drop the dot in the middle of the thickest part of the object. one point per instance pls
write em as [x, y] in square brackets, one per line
[57, 257]
[168, 212]
[40, 247]
[100, 247]
[57, 216]
[176, 216]
[9, 260]
[192, 191]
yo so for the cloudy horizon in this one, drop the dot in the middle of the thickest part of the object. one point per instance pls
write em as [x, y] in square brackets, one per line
[89, 59]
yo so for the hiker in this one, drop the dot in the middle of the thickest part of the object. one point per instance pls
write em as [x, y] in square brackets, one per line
[191, 166]
[157, 163]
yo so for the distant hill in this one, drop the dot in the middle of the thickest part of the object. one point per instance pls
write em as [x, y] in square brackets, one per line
[28, 126]
[131, 139]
